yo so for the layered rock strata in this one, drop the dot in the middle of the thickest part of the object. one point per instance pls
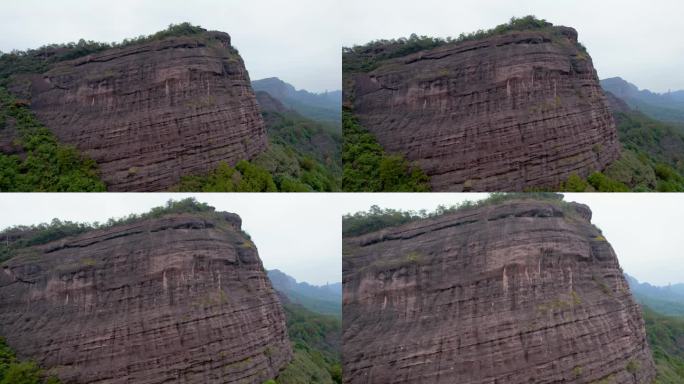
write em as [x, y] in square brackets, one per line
[183, 298]
[520, 292]
[150, 113]
[509, 112]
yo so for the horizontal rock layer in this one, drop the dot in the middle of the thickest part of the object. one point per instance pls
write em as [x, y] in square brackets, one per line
[509, 112]
[183, 298]
[153, 112]
[521, 292]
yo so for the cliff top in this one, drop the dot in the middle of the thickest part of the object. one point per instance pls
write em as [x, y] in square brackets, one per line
[42, 59]
[22, 236]
[367, 57]
[376, 218]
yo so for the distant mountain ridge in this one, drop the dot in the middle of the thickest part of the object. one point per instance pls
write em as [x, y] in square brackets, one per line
[323, 299]
[325, 106]
[668, 300]
[667, 107]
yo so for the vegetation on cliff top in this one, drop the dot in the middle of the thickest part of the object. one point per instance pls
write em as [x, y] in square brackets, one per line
[15, 371]
[41, 59]
[367, 168]
[367, 57]
[42, 163]
[652, 159]
[21, 236]
[377, 218]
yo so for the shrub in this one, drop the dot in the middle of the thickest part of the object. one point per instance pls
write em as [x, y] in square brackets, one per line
[574, 184]
[602, 183]
[632, 367]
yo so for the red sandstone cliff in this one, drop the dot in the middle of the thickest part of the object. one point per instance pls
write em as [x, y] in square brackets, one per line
[509, 112]
[183, 298]
[152, 112]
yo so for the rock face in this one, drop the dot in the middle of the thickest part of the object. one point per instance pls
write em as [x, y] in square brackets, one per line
[183, 298]
[509, 112]
[616, 104]
[268, 103]
[153, 112]
[521, 292]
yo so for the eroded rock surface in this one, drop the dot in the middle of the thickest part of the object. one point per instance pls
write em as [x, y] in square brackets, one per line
[521, 292]
[183, 298]
[153, 112]
[509, 112]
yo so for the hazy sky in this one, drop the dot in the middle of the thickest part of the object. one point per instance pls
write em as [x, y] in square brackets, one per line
[296, 233]
[644, 229]
[640, 41]
[298, 41]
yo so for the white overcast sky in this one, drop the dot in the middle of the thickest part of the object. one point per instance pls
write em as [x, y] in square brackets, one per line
[640, 41]
[300, 233]
[296, 233]
[298, 41]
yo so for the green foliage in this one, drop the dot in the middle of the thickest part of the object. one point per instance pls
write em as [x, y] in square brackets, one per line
[632, 367]
[665, 335]
[577, 371]
[22, 236]
[303, 156]
[574, 184]
[244, 177]
[652, 159]
[377, 218]
[316, 340]
[602, 183]
[47, 166]
[367, 57]
[367, 168]
[14, 371]
[659, 149]
[41, 59]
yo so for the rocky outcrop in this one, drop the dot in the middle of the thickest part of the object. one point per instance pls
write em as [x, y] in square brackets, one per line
[150, 113]
[182, 298]
[616, 104]
[519, 292]
[509, 112]
[268, 103]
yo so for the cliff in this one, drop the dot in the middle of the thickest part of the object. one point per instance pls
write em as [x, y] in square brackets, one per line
[516, 110]
[179, 298]
[517, 292]
[152, 112]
